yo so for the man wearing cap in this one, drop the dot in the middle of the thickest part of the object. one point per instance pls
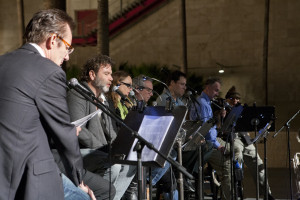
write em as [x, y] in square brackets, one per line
[248, 151]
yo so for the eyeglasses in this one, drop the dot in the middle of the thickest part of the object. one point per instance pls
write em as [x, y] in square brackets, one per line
[148, 89]
[68, 46]
[128, 85]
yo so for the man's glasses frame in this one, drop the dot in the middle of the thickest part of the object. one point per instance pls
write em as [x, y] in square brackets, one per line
[69, 47]
[147, 89]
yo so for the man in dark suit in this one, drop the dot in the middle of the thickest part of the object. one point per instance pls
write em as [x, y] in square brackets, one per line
[34, 109]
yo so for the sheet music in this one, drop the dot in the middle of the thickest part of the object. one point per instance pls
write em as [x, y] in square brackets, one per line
[153, 129]
[85, 119]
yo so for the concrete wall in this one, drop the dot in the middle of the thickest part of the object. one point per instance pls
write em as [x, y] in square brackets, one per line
[9, 26]
[230, 33]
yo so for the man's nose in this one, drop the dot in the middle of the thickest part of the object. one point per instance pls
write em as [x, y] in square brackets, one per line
[67, 57]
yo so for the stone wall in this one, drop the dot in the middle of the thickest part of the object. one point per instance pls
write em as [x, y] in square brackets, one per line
[9, 26]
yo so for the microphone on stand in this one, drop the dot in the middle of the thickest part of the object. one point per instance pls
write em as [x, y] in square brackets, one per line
[123, 98]
[191, 89]
[140, 104]
[132, 95]
[154, 103]
[73, 83]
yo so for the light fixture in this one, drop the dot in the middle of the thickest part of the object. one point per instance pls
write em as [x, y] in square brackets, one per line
[221, 68]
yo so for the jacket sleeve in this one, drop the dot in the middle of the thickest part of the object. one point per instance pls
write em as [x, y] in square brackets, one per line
[52, 105]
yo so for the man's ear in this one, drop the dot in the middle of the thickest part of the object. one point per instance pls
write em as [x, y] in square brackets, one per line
[50, 42]
[172, 83]
[92, 75]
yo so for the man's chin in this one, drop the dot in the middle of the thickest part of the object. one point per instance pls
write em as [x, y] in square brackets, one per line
[105, 89]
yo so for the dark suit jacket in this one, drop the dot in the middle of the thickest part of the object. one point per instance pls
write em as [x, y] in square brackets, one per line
[91, 135]
[33, 109]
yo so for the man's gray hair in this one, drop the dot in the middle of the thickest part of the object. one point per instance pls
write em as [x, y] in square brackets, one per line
[47, 22]
[139, 80]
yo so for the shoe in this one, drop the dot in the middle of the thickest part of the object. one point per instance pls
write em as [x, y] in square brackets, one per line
[130, 196]
[270, 197]
[131, 192]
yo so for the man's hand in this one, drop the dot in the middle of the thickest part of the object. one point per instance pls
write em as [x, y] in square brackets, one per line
[78, 129]
[87, 190]
[221, 148]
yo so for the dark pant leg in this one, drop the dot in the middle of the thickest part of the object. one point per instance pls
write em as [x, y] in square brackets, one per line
[99, 185]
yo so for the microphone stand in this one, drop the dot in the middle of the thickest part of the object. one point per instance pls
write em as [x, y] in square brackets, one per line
[287, 126]
[142, 142]
[195, 101]
[264, 133]
[255, 122]
[233, 181]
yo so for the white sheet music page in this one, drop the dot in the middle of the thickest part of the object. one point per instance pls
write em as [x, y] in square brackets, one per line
[85, 119]
[153, 129]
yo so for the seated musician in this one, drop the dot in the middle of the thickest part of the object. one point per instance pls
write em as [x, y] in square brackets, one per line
[248, 151]
[100, 131]
[143, 89]
[215, 157]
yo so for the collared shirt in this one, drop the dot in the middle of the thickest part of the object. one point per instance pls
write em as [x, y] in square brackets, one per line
[205, 113]
[161, 100]
[39, 49]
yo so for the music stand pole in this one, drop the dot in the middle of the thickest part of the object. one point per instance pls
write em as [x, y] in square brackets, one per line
[138, 148]
[256, 158]
[231, 154]
[200, 174]
[266, 172]
[180, 179]
[287, 126]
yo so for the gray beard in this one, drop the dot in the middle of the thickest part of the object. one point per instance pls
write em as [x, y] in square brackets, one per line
[100, 85]
[105, 89]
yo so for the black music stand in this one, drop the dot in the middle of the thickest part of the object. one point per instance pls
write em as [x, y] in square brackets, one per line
[125, 142]
[253, 119]
[228, 127]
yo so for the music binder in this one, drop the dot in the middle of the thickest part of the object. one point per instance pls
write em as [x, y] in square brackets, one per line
[125, 141]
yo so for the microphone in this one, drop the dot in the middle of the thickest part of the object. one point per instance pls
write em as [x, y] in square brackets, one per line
[137, 90]
[227, 105]
[191, 89]
[123, 98]
[154, 103]
[132, 95]
[188, 94]
[73, 83]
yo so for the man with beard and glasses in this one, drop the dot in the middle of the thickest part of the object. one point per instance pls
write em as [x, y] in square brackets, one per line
[100, 131]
